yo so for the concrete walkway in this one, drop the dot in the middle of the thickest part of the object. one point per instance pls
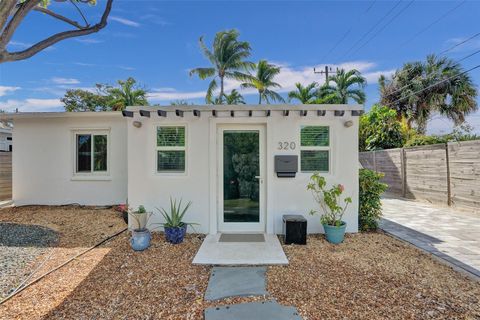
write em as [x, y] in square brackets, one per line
[448, 234]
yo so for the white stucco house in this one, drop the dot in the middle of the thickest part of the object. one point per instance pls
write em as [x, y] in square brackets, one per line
[6, 139]
[242, 166]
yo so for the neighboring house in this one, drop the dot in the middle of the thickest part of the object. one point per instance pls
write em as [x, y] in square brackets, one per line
[5, 138]
[222, 158]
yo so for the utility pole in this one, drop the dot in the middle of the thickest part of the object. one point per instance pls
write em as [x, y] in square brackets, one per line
[328, 70]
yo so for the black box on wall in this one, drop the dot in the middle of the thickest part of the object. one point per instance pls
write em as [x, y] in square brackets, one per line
[295, 229]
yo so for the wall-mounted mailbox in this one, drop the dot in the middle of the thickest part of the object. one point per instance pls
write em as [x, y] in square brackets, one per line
[286, 166]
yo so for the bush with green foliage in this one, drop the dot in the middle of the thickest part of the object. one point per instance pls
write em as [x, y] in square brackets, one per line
[380, 129]
[371, 190]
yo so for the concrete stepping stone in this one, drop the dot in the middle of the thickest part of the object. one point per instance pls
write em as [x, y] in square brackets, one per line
[265, 310]
[228, 282]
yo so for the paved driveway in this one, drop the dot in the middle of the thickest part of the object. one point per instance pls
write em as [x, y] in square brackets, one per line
[447, 233]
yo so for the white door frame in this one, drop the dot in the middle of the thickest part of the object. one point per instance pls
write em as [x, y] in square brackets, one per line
[242, 227]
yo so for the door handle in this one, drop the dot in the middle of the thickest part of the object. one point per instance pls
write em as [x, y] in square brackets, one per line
[259, 178]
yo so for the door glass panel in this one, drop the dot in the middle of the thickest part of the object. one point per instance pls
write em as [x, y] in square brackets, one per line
[241, 152]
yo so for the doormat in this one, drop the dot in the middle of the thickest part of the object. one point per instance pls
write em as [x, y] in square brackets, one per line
[237, 237]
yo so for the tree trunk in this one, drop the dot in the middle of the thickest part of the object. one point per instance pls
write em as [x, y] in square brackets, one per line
[259, 97]
[221, 90]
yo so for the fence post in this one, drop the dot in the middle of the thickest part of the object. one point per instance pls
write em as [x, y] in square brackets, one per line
[449, 188]
[374, 162]
[403, 170]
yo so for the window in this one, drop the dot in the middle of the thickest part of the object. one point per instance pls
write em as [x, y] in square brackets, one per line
[315, 149]
[91, 153]
[9, 139]
[171, 149]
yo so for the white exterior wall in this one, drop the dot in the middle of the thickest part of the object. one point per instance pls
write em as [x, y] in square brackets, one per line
[43, 162]
[199, 183]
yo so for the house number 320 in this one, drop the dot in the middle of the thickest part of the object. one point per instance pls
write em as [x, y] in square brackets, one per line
[285, 145]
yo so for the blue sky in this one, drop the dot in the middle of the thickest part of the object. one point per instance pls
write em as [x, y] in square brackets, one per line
[156, 42]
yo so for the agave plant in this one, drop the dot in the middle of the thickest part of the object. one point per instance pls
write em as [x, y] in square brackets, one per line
[174, 217]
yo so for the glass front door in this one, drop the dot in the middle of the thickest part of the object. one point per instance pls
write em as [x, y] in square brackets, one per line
[242, 180]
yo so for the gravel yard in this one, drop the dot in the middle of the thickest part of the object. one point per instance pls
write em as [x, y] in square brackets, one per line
[44, 237]
[21, 247]
[370, 276]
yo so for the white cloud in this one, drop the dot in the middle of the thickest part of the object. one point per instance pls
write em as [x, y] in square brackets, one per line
[472, 44]
[171, 94]
[126, 68]
[83, 64]
[32, 105]
[19, 44]
[4, 90]
[88, 41]
[441, 125]
[155, 19]
[65, 80]
[287, 78]
[124, 21]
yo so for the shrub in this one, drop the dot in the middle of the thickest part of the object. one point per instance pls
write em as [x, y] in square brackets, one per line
[380, 129]
[370, 205]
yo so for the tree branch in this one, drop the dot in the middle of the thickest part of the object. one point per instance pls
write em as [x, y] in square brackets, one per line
[27, 53]
[23, 10]
[59, 17]
[80, 12]
[6, 8]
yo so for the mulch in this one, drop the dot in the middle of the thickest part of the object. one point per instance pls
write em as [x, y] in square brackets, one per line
[369, 276]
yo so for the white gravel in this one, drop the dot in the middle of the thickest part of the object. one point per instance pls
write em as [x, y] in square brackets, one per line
[20, 247]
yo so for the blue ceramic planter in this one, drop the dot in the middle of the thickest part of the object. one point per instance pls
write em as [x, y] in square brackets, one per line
[335, 234]
[175, 235]
[140, 239]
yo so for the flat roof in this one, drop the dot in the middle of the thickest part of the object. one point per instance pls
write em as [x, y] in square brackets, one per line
[253, 107]
[242, 107]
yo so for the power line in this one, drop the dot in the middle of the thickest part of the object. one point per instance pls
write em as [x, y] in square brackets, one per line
[386, 25]
[460, 43]
[433, 23]
[408, 85]
[435, 84]
[345, 34]
[373, 28]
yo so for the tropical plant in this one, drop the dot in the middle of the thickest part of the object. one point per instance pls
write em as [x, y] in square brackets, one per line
[328, 200]
[180, 102]
[227, 57]
[140, 216]
[305, 95]
[106, 97]
[84, 100]
[234, 98]
[13, 13]
[348, 85]
[126, 94]
[174, 217]
[380, 129]
[370, 191]
[262, 81]
[438, 85]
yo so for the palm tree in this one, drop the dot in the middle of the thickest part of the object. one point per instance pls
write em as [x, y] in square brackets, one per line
[227, 58]
[262, 81]
[342, 91]
[306, 95]
[233, 98]
[127, 94]
[437, 85]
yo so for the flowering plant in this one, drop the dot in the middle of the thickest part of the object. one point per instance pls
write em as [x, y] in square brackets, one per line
[122, 208]
[328, 200]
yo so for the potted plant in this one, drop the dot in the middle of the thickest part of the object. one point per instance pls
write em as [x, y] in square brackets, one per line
[141, 236]
[328, 200]
[174, 226]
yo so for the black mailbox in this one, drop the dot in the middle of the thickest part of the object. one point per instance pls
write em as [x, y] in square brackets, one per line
[286, 166]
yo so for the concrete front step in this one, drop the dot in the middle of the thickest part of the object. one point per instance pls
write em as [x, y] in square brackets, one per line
[265, 310]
